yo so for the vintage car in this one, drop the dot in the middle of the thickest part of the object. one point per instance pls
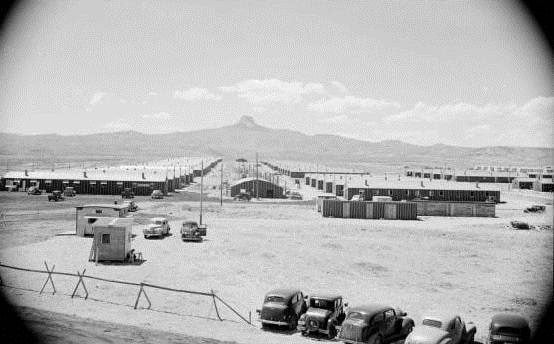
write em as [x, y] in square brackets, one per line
[507, 328]
[131, 205]
[535, 209]
[442, 329]
[191, 231]
[520, 225]
[69, 192]
[375, 324]
[127, 193]
[357, 198]
[34, 190]
[55, 196]
[158, 227]
[324, 314]
[282, 307]
[242, 196]
[157, 194]
[295, 196]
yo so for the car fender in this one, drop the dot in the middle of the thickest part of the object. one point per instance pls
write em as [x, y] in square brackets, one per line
[471, 328]
[406, 324]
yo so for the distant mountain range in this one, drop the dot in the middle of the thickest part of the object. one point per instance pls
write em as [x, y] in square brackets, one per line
[246, 137]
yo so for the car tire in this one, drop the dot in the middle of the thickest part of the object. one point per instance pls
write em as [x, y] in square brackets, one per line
[331, 330]
[145, 237]
[375, 339]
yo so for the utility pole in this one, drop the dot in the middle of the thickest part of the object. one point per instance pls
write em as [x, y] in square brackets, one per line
[201, 188]
[257, 182]
[221, 187]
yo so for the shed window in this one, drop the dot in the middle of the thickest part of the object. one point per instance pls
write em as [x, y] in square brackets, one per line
[98, 211]
[119, 183]
[76, 182]
[441, 193]
[390, 192]
[105, 238]
[431, 192]
[65, 182]
[103, 183]
[471, 194]
[48, 181]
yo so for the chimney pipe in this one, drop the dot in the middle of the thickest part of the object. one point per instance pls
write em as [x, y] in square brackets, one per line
[26, 173]
[85, 174]
[143, 177]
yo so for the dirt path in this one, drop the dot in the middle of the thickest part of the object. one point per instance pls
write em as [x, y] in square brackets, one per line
[58, 328]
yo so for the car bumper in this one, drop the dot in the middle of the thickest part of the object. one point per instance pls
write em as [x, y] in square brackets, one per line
[153, 234]
[350, 341]
[271, 322]
[191, 239]
[304, 328]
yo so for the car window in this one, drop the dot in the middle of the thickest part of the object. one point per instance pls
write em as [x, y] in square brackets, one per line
[389, 314]
[321, 303]
[355, 315]
[378, 318]
[277, 299]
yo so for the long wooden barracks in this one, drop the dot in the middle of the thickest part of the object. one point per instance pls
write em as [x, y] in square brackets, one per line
[105, 181]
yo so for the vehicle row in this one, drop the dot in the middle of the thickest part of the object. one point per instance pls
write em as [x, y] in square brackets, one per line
[190, 230]
[375, 323]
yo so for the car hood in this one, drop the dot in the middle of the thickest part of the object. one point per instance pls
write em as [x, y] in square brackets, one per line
[153, 226]
[318, 313]
[426, 335]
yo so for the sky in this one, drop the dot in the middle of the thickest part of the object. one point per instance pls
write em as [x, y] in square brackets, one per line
[469, 73]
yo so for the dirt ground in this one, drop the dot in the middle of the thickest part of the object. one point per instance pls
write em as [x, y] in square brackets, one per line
[471, 266]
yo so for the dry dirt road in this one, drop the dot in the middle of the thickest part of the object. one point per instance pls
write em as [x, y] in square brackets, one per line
[58, 328]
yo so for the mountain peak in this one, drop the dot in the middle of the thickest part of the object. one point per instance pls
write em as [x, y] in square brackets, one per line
[247, 122]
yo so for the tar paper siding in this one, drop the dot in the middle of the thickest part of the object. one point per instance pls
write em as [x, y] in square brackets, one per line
[432, 194]
[456, 209]
[370, 210]
[265, 189]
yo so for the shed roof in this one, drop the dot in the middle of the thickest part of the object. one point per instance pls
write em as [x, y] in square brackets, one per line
[107, 174]
[249, 179]
[105, 205]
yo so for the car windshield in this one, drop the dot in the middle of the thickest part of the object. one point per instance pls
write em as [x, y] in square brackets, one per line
[322, 303]
[276, 299]
[158, 222]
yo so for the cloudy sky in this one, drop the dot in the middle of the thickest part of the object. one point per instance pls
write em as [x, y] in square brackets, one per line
[470, 73]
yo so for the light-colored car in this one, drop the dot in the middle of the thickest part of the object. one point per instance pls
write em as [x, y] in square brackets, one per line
[442, 329]
[157, 194]
[158, 227]
[357, 198]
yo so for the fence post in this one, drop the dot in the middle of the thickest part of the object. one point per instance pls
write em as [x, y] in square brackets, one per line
[215, 305]
[141, 291]
[81, 281]
[49, 278]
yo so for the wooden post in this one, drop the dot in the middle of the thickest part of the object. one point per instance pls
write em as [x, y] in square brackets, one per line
[215, 306]
[142, 291]
[49, 278]
[82, 282]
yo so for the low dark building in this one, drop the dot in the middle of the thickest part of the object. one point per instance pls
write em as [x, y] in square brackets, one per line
[257, 187]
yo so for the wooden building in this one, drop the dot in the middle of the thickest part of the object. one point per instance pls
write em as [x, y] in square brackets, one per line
[257, 187]
[87, 216]
[112, 240]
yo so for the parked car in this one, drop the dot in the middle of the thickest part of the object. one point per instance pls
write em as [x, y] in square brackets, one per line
[507, 328]
[158, 227]
[157, 194]
[282, 307]
[535, 209]
[69, 192]
[190, 231]
[242, 196]
[295, 196]
[357, 198]
[34, 190]
[324, 314]
[442, 329]
[375, 324]
[520, 225]
[131, 205]
[127, 193]
[56, 196]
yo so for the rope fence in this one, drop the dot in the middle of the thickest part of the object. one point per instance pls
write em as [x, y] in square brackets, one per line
[81, 276]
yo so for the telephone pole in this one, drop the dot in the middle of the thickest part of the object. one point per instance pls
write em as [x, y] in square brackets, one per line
[257, 182]
[221, 187]
[201, 188]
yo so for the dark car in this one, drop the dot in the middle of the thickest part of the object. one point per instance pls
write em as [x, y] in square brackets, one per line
[535, 209]
[520, 225]
[190, 231]
[55, 196]
[324, 314]
[69, 192]
[375, 324]
[508, 328]
[282, 307]
[242, 196]
[127, 193]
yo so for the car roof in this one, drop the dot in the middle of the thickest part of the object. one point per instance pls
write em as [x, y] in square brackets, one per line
[444, 318]
[326, 296]
[283, 292]
[508, 319]
[370, 309]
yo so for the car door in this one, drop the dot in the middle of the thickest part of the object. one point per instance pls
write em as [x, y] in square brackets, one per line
[389, 322]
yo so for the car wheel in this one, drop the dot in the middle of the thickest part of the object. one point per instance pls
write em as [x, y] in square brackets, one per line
[145, 237]
[375, 339]
[293, 322]
[332, 331]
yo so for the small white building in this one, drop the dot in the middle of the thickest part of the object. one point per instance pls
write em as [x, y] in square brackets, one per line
[87, 215]
[112, 239]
